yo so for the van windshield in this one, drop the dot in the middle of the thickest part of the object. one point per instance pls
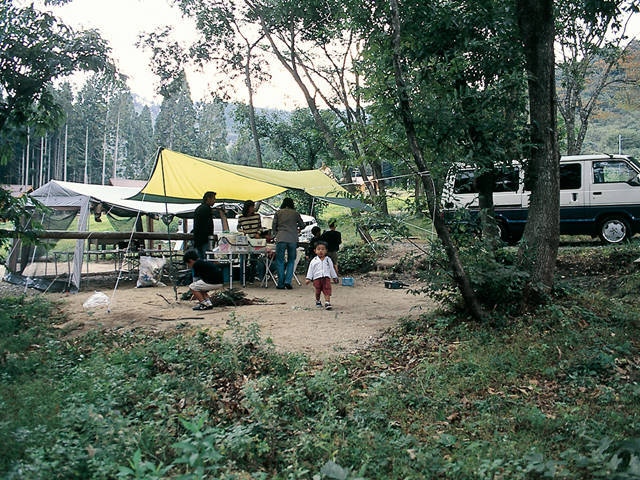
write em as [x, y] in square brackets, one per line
[634, 162]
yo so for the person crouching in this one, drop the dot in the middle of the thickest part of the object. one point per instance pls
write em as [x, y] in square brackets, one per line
[209, 277]
[321, 272]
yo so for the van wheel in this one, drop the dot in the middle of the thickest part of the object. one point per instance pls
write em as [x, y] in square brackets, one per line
[614, 230]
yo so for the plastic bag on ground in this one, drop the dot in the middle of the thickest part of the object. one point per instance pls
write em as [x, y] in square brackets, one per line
[150, 271]
[98, 299]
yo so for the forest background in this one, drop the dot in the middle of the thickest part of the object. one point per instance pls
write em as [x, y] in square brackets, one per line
[104, 131]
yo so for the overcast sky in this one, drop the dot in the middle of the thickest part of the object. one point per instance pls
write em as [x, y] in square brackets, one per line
[122, 21]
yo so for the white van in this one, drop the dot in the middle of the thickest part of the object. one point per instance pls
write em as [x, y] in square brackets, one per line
[599, 196]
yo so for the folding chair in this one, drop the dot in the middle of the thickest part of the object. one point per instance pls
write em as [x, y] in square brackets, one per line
[299, 255]
[267, 269]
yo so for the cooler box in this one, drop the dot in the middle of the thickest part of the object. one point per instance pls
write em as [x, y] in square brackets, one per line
[347, 281]
[237, 274]
[225, 273]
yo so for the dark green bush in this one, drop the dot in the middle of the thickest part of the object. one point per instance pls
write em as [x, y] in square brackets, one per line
[360, 258]
[497, 281]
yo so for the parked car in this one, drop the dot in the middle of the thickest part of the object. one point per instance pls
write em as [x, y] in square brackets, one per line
[234, 209]
[599, 196]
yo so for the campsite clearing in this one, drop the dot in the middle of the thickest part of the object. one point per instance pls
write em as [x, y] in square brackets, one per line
[360, 315]
[288, 317]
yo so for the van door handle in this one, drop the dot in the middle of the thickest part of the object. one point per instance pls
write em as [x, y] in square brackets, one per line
[574, 196]
[597, 193]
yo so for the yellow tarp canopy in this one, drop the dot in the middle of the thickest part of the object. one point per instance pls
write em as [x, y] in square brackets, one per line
[181, 178]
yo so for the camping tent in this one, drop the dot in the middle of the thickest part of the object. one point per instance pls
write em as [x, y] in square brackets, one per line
[69, 200]
[175, 188]
[115, 199]
[181, 178]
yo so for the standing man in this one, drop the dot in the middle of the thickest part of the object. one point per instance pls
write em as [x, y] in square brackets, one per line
[203, 224]
[333, 239]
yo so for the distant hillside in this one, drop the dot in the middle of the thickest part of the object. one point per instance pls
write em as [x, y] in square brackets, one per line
[615, 126]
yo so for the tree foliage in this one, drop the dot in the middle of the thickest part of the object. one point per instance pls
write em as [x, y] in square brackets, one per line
[176, 122]
[592, 44]
[36, 48]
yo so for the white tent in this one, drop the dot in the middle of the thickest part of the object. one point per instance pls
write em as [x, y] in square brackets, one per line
[78, 199]
[114, 198]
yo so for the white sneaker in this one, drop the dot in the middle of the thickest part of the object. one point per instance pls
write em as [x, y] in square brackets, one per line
[202, 306]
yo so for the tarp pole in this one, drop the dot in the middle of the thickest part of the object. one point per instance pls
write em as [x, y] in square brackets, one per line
[115, 288]
[167, 222]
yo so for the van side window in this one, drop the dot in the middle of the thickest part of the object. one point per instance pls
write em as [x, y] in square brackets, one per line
[465, 182]
[612, 171]
[570, 176]
[507, 180]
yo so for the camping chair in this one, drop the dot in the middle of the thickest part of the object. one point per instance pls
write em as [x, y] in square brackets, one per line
[268, 261]
[299, 255]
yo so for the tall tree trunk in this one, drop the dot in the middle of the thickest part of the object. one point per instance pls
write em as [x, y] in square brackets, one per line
[116, 146]
[252, 109]
[570, 122]
[47, 148]
[40, 177]
[27, 158]
[104, 148]
[539, 250]
[459, 275]
[86, 154]
[104, 156]
[66, 149]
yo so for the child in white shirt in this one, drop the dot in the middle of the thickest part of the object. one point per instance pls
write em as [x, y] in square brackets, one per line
[321, 272]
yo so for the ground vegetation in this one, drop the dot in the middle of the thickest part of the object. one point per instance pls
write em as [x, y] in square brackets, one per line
[552, 394]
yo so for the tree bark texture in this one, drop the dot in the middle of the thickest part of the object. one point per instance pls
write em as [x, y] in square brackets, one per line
[539, 249]
[457, 269]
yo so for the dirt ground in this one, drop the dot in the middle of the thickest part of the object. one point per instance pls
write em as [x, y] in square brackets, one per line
[288, 317]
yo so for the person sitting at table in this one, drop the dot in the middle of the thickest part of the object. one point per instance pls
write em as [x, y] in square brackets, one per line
[209, 277]
[250, 224]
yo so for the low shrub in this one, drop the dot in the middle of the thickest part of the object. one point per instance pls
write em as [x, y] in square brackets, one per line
[359, 258]
[495, 278]
[551, 395]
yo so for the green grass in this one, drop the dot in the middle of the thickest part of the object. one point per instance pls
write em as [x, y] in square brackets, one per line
[402, 223]
[551, 395]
